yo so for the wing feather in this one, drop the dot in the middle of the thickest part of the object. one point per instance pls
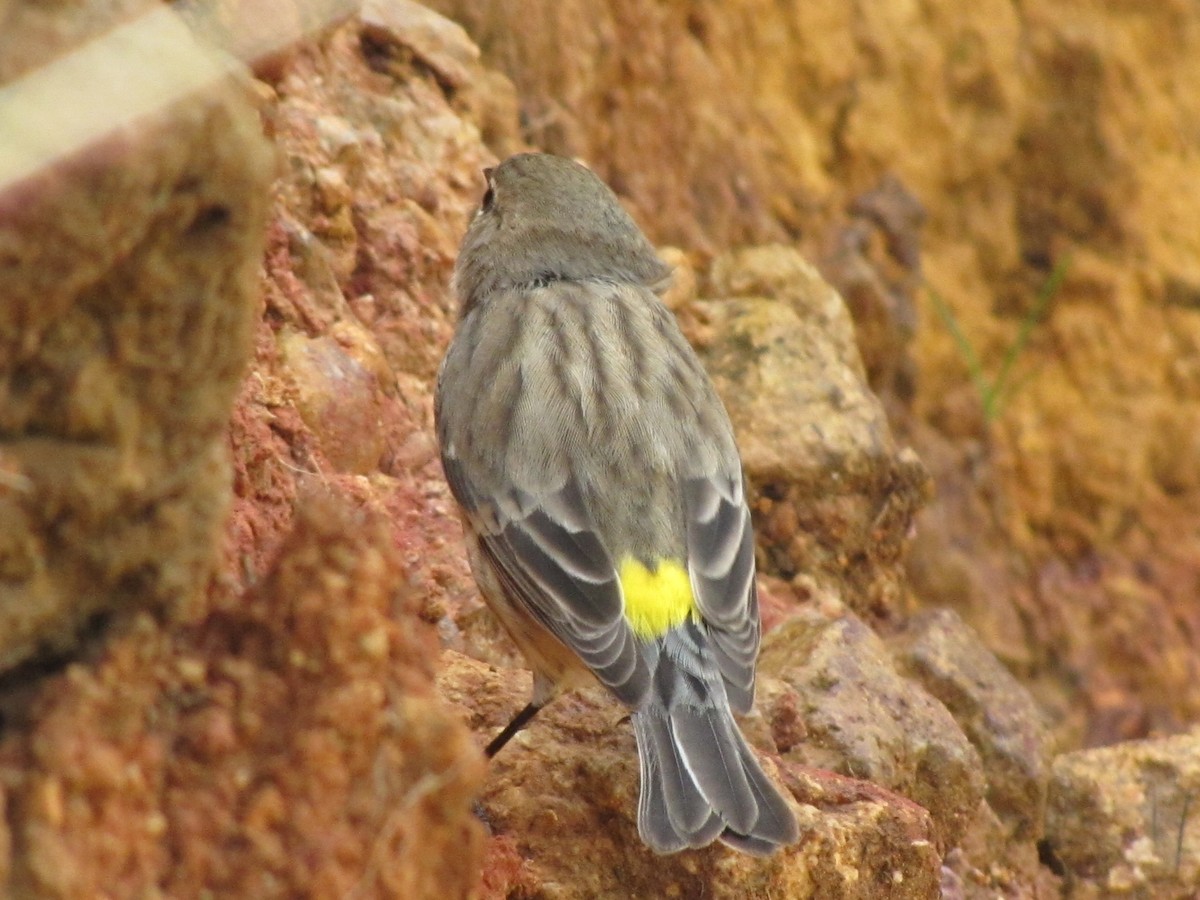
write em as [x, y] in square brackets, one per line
[553, 563]
[720, 543]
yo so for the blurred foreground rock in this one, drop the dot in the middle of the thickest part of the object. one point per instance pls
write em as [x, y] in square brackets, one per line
[272, 731]
[291, 746]
[128, 277]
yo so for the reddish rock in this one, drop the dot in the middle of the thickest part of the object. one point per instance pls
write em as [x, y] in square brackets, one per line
[998, 716]
[339, 399]
[288, 746]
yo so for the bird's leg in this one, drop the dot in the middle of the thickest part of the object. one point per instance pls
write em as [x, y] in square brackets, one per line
[519, 721]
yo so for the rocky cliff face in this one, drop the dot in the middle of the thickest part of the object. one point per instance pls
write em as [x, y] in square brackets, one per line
[242, 653]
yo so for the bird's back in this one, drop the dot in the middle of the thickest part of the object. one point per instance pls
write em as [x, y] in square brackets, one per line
[601, 387]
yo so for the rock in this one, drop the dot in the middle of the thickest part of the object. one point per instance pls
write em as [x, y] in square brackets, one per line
[958, 558]
[861, 841]
[562, 797]
[432, 39]
[1122, 820]
[997, 714]
[357, 269]
[781, 273]
[129, 276]
[874, 262]
[833, 496]
[989, 862]
[287, 745]
[863, 719]
[272, 731]
[338, 398]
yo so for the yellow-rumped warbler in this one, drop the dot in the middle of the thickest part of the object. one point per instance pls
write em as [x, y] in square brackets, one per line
[602, 494]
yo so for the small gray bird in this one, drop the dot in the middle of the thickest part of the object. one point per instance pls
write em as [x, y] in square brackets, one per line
[602, 497]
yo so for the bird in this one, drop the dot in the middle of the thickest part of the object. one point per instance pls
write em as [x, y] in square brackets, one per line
[602, 497]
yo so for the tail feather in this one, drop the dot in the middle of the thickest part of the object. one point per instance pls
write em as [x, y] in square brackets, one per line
[701, 782]
[672, 814]
[708, 742]
[654, 822]
[775, 826]
[688, 810]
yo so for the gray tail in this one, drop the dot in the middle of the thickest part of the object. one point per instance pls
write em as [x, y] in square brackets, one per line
[701, 782]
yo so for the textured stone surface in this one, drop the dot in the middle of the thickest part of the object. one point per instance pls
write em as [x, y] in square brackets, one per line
[433, 40]
[989, 862]
[383, 171]
[1124, 821]
[874, 261]
[276, 733]
[562, 796]
[833, 495]
[128, 277]
[338, 398]
[289, 745]
[863, 719]
[997, 714]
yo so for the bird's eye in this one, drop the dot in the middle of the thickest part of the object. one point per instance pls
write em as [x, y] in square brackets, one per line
[489, 195]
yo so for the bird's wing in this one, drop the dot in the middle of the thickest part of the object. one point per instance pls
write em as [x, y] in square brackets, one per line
[551, 561]
[720, 545]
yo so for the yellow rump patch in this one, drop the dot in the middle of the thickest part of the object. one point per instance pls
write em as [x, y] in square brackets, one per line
[655, 601]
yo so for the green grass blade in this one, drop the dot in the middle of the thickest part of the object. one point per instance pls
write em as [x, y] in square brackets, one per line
[1030, 321]
[964, 346]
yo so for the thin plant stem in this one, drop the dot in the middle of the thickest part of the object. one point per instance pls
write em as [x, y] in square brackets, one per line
[964, 345]
[1030, 320]
[993, 392]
